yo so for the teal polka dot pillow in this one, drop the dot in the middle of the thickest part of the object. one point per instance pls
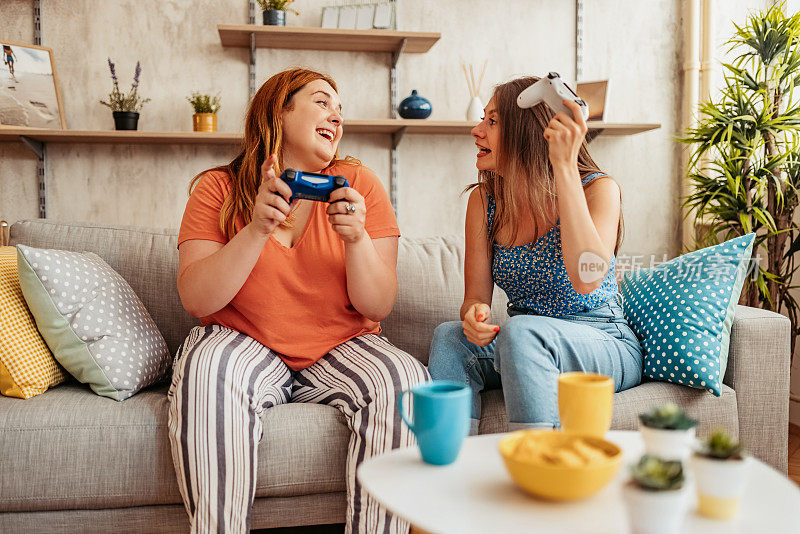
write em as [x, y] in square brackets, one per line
[682, 312]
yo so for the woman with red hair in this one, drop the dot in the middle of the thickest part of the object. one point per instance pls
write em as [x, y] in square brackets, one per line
[290, 294]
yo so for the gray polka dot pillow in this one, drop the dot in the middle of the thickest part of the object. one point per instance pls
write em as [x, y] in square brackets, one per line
[93, 322]
[682, 312]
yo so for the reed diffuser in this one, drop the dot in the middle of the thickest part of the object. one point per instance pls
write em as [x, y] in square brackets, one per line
[475, 109]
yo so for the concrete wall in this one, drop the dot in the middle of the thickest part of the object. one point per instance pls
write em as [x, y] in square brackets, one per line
[180, 51]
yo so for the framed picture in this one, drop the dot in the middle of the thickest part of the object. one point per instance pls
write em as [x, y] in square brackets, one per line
[330, 17]
[595, 95]
[347, 18]
[29, 94]
[383, 16]
[364, 16]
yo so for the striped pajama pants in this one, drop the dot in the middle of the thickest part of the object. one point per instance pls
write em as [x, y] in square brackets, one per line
[223, 380]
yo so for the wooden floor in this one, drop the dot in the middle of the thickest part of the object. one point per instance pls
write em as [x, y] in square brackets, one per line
[794, 453]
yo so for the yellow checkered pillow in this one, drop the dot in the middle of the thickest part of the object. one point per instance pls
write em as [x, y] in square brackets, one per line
[27, 367]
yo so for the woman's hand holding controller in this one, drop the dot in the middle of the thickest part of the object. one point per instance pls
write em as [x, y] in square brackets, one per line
[477, 330]
[347, 213]
[565, 135]
[272, 204]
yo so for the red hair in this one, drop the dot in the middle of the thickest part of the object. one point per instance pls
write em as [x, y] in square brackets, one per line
[263, 136]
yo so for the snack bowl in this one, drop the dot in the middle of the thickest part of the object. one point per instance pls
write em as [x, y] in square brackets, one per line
[557, 466]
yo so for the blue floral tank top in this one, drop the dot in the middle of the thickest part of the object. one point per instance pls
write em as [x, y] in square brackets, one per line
[535, 279]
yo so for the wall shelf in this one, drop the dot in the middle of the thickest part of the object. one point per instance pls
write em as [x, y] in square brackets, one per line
[377, 126]
[252, 37]
[327, 39]
[131, 137]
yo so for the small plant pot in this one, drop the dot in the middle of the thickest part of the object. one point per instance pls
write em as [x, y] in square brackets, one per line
[126, 120]
[654, 512]
[204, 122]
[720, 485]
[674, 445]
[274, 17]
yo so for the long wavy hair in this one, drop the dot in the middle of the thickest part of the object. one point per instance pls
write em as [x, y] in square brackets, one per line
[522, 155]
[263, 135]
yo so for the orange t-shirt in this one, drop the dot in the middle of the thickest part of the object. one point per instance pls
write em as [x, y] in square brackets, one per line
[295, 300]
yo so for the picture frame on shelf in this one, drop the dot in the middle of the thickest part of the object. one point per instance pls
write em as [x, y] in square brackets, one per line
[29, 91]
[384, 16]
[595, 94]
[365, 15]
[330, 17]
[359, 16]
[347, 18]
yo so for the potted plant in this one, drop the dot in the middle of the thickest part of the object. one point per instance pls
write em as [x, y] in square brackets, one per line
[744, 170]
[205, 111]
[275, 11]
[655, 497]
[720, 470]
[125, 107]
[667, 432]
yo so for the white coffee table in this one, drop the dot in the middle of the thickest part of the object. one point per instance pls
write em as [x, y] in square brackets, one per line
[475, 494]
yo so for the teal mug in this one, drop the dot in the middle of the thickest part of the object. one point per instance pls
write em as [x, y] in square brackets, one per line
[441, 419]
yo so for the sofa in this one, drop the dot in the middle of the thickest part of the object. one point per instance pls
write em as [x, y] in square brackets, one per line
[72, 461]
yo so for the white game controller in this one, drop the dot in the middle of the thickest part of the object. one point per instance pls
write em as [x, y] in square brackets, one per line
[552, 90]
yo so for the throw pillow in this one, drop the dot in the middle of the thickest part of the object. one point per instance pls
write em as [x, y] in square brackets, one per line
[95, 325]
[682, 312]
[26, 366]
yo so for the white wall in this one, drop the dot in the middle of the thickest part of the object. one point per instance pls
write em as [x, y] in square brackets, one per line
[635, 44]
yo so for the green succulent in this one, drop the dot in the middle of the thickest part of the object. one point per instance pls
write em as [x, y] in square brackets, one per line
[668, 416]
[722, 446]
[204, 103]
[655, 474]
[276, 5]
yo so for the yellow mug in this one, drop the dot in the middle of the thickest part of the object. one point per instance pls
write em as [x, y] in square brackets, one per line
[585, 403]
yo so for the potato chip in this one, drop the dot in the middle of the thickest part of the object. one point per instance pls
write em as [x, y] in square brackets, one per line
[592, 454]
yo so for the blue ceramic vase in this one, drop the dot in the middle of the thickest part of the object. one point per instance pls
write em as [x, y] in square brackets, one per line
[415, 107]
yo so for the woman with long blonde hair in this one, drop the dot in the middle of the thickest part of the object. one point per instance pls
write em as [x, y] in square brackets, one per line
[544, 224]
[290, 294]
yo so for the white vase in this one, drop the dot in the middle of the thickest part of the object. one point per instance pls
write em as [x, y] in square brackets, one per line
[720, 485]
[673, 445]
[655, 512]
[475, 110]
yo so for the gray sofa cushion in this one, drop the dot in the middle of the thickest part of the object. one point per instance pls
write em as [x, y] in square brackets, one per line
[74, 449]
[271, 512]
[111, 454]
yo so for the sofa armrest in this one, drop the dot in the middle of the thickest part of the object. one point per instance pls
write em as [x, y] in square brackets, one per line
[758, 370]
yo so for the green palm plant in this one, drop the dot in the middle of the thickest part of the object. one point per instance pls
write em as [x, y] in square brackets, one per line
[744, 166]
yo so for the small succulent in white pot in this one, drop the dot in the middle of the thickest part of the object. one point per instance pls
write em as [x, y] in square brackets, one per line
[720, 470]
[656, 497]
[668, 432]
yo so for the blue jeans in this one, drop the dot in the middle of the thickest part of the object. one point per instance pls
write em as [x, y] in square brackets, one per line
[529, 353]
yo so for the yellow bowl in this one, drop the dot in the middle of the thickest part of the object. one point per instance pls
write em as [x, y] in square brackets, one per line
[559, 482]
